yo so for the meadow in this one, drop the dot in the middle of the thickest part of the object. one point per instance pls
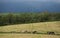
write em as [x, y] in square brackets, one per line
[28, 36]
[42, 27]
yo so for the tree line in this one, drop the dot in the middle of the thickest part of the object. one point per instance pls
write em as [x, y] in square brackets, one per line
[7, 19]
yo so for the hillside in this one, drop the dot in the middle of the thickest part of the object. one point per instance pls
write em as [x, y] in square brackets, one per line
[27, 36]
[40, 27]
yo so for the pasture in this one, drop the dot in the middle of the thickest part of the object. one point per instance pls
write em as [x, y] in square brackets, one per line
[42, 27]
[28, 36]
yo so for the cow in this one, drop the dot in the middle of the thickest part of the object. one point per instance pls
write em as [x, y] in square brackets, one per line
[34, 32]
[52, 33]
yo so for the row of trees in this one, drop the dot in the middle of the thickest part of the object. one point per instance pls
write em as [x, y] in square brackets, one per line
[20, 18]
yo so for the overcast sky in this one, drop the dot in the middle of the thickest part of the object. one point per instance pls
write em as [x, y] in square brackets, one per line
[29, 0]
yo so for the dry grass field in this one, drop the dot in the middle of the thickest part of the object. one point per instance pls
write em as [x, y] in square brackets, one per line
[40, 27]
[28, 36]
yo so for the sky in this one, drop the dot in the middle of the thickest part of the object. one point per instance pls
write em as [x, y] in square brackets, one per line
[23, 4]
[29, 0]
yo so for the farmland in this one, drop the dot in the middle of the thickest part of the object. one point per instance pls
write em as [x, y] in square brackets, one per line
[42, 27]
[28, 36]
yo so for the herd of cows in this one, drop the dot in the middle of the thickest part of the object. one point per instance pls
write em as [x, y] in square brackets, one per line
[32, 32]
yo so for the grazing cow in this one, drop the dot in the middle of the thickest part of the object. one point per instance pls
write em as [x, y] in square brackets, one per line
[34, 32]
[51, 33]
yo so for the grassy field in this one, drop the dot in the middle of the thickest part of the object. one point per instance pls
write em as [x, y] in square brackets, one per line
[28, 36]
[42, 27]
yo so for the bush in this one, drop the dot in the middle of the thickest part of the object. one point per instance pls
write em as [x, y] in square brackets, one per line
[28, 18]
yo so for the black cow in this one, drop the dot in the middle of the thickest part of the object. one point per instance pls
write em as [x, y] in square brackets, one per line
[53, 33]
[34, 32]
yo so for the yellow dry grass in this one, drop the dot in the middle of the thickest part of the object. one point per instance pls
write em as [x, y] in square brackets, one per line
[27, 36]
[41, 27]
